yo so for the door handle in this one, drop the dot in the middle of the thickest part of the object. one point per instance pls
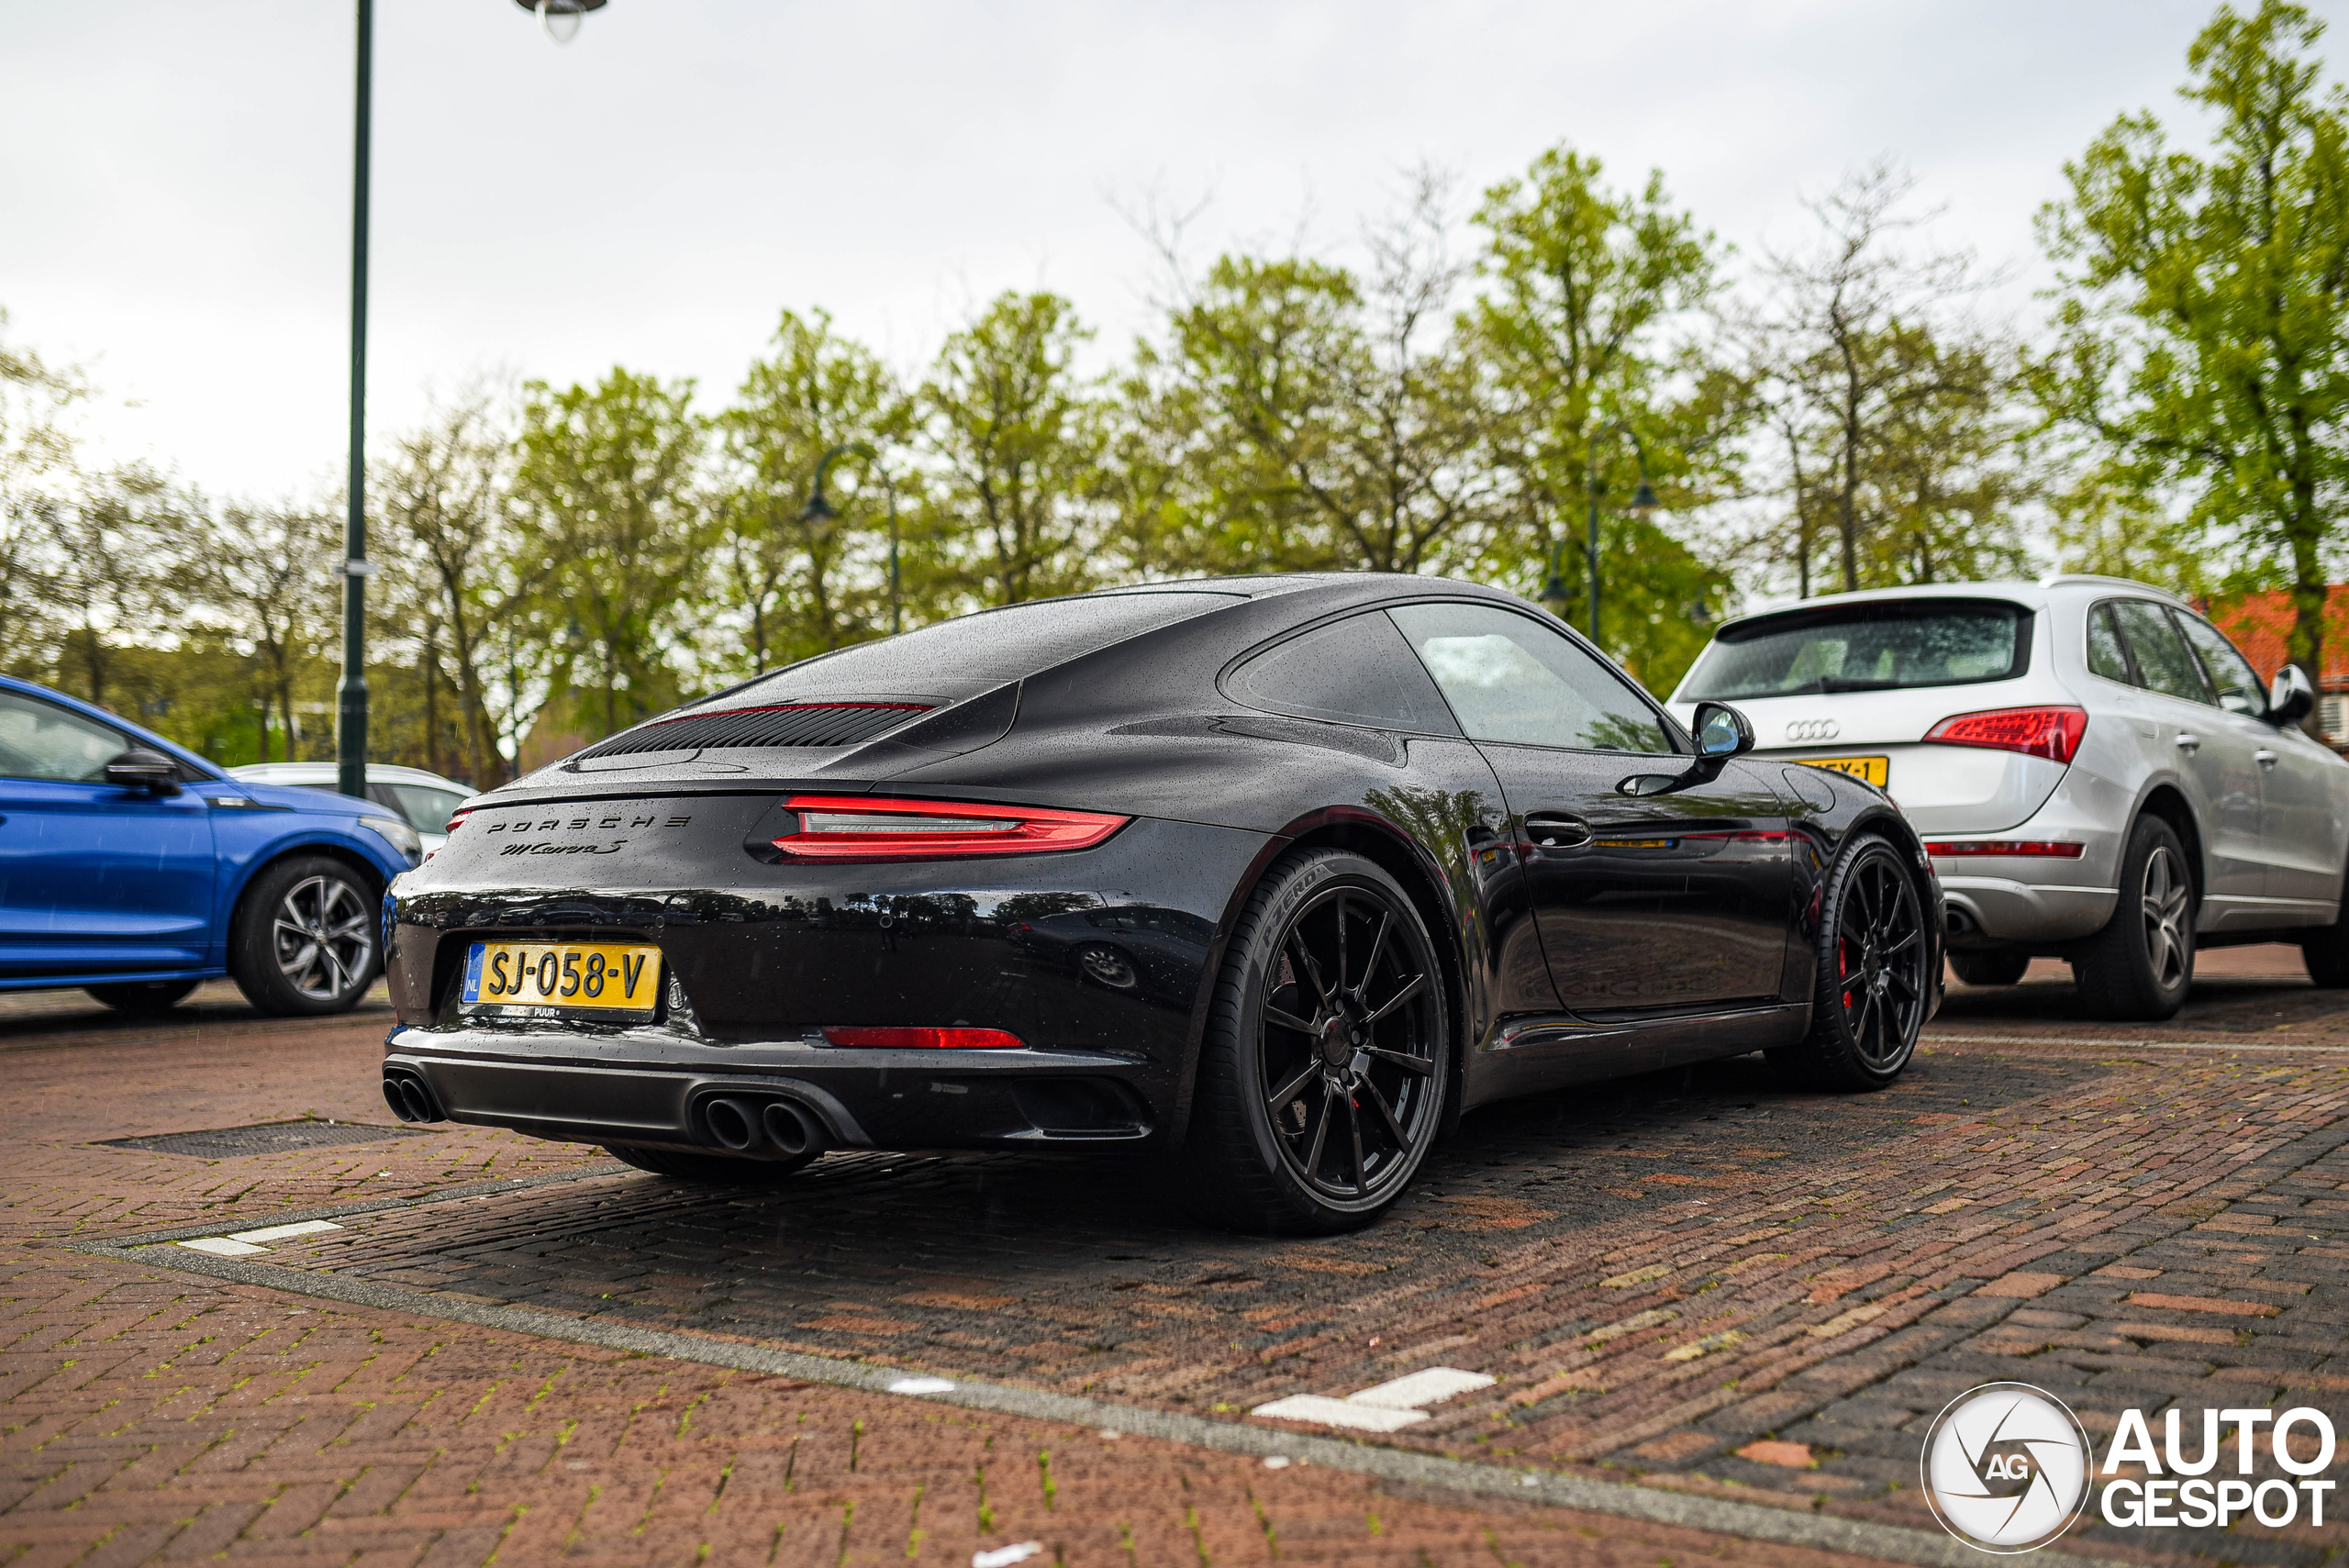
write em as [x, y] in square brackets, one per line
[1558, 830]
[2189, 744]
[2265, 758]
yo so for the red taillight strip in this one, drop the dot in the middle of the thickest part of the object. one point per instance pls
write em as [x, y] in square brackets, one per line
[874, 1038]
[858, 827]
[2054, 849]
[458, 819]
[2050, 732]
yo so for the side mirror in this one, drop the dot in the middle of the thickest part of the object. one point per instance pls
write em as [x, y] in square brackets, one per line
[1723, 732]
[2290, 698]
[142, 769]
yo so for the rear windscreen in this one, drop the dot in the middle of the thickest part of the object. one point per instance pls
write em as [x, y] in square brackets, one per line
[993, 645]
[1865, 648]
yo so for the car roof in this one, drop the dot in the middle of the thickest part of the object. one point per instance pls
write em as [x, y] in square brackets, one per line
[377, 772]
[2039, 595]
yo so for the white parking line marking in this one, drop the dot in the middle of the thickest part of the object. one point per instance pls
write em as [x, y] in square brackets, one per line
[280, 1232]
[221, 1247]
[1324, 1411]
[921, 1386]
[2120, 1044]
[1421, 1389]
[1383, 1407]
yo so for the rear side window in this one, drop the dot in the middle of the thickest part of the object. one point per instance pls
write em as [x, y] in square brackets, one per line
[1878, 647]
[427, 810]
[39, 741]
[1508, 677]
[2105, 655]
[1358, 671]
[2162, 661]
[2232, 675]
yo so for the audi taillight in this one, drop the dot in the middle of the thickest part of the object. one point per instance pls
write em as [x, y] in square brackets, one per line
[2050, 732]
[2047, 849]
[855, 827]
[902, 1038]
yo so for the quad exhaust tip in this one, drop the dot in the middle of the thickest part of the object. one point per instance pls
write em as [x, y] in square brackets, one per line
[771, 1129]
[410, 1098]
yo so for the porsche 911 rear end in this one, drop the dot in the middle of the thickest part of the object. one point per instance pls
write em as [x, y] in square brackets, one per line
[764, 974]
[725, 936]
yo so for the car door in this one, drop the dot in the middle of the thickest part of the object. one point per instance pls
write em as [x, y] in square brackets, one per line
[2177, 712]
[95, 879]
[2300, 829]
[1646, 904]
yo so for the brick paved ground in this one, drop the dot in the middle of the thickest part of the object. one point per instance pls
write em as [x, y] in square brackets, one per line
[149, 1415]
[1662, 1274]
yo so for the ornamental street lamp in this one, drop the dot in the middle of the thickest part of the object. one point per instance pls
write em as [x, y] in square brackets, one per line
[561, 18]
[1554, 591]
[819, 509]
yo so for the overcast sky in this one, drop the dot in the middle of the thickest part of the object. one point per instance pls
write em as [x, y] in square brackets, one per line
[176, 188]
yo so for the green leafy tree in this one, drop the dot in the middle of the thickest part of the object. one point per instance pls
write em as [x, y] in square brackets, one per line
[806, 585]
[1592, 329]
[1305, 415]
[37, 477]
[263, 578]
[2200, 335]
[1894, 413]
[606, 486]
[1016, 432]
[463, 573]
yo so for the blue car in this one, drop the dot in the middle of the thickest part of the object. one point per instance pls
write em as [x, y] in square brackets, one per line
[135, 869]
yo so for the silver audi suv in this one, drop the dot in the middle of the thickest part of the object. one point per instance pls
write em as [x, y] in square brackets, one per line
[2098, 772]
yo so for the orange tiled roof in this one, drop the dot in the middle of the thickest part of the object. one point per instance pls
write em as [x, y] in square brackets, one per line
[2256, 624]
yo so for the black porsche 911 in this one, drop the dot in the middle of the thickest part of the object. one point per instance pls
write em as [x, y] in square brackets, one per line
[1274, 875]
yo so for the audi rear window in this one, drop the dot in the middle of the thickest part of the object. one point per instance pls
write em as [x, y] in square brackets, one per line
[1878, 647]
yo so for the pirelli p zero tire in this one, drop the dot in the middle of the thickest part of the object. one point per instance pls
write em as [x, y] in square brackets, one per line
[2140, 965]
[1992, 966]
[304, 940]
[717, 1169]
[1871, 989]
[1326, 1055]
[142, 995]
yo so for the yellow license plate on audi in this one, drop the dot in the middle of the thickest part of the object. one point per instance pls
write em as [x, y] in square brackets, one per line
[612, 982]
[1877, 770]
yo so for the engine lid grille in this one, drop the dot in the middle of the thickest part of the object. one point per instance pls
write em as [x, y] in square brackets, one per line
[789, 724]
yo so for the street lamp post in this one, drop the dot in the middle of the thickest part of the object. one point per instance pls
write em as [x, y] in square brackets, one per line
[1643, 501]
[817, 509]
[351, 699]
[561, 18]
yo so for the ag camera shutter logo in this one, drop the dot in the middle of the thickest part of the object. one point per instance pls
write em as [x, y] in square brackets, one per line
[2006, 1467]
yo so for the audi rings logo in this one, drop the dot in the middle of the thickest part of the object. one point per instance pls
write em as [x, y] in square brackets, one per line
[1813, 730]
[2006, 1467]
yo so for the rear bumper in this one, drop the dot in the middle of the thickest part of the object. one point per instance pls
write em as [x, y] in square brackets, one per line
[648, 1093]
[1989, 910]
[758, 958]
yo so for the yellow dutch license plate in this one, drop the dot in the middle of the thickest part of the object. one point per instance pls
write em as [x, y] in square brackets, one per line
[541, 979]
[1877, 770]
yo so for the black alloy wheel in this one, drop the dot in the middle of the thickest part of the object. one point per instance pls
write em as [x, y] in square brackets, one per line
[1322, 1076]
[1868, 1003]
[2140, 965]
